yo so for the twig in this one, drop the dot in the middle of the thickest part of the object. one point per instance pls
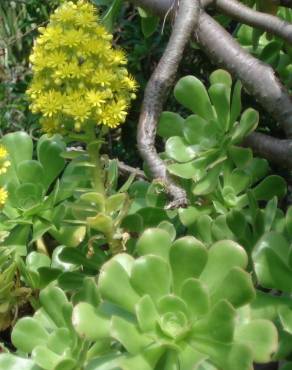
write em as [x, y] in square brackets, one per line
[124, 169]
[263, 21]
[274, 150]
[156, 93]
[257, 77]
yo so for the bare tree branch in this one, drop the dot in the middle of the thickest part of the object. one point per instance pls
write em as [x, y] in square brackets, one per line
[125, 169]
[257, 77]
[156, 7]
[260, 20]
[163, 7]
[156, 93]
[274, 150]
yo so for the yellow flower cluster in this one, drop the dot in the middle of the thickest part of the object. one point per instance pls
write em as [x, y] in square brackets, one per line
[4, 162]
[79, 78]
[3, 196]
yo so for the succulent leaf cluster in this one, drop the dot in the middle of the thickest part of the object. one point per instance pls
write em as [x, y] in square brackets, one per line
[79, 79]
[198, 146]
[49, 337]
[266, 47]
[36, 194]
[13, 294]
[179, 306]
[149, 313]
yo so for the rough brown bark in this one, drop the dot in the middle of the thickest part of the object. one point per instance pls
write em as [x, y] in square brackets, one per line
[156, 93]
[257, 77]
[274, 150]
[260, 20]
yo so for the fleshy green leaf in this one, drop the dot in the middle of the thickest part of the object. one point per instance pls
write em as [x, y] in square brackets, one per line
[240, 357]
[147, 272]
[170, 124]
[285, 315]
[237, 288]
[236, 102]
[101, 222]
[262, 338]
[11, 362]
[120, 293]
[270, 187]
[115, 202]
[89, 322]
[220, 96]
[128, 335]
[218, 325]
[220, 76]
[19, 146]
[53, 299]
[222, 257]
[248, 123]
[169, 228]
[184, 170]
[194, 130]
[271, 258]
[191, 93]
[189, 253]
[154, 241]
[45, 358]
[177, 149]
[196, 295]
[240, 156]
[27, 334]
[35, 260]
[49, 154]
[60, 340]
[146, 314]
[30, 171]
[209, 182]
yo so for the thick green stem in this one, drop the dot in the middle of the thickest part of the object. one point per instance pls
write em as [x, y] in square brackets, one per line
[93, 149]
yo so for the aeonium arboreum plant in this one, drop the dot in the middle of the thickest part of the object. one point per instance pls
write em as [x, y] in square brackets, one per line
[268, 48]
[13, 294]
[36, 193]
[48, 338]
[79, 80]
[197, 146]
[81, 87]
[179, 306]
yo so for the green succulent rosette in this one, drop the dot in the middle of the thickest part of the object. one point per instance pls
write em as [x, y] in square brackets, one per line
[178, 305]
[47, 340]
[197, 147]
[269, 48]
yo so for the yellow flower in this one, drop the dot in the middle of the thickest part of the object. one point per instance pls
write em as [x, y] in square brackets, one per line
[96, 98]
[79, 78]
[117, 57]
[3, 196]
[78, 109]
[50, 103]
[64, 14]
[51, 36]
[103, 77]
[3, 152]
[114, 113]
[73, 37]
[55, 59]
[4, 161]
[86, 18]
[130, 83]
